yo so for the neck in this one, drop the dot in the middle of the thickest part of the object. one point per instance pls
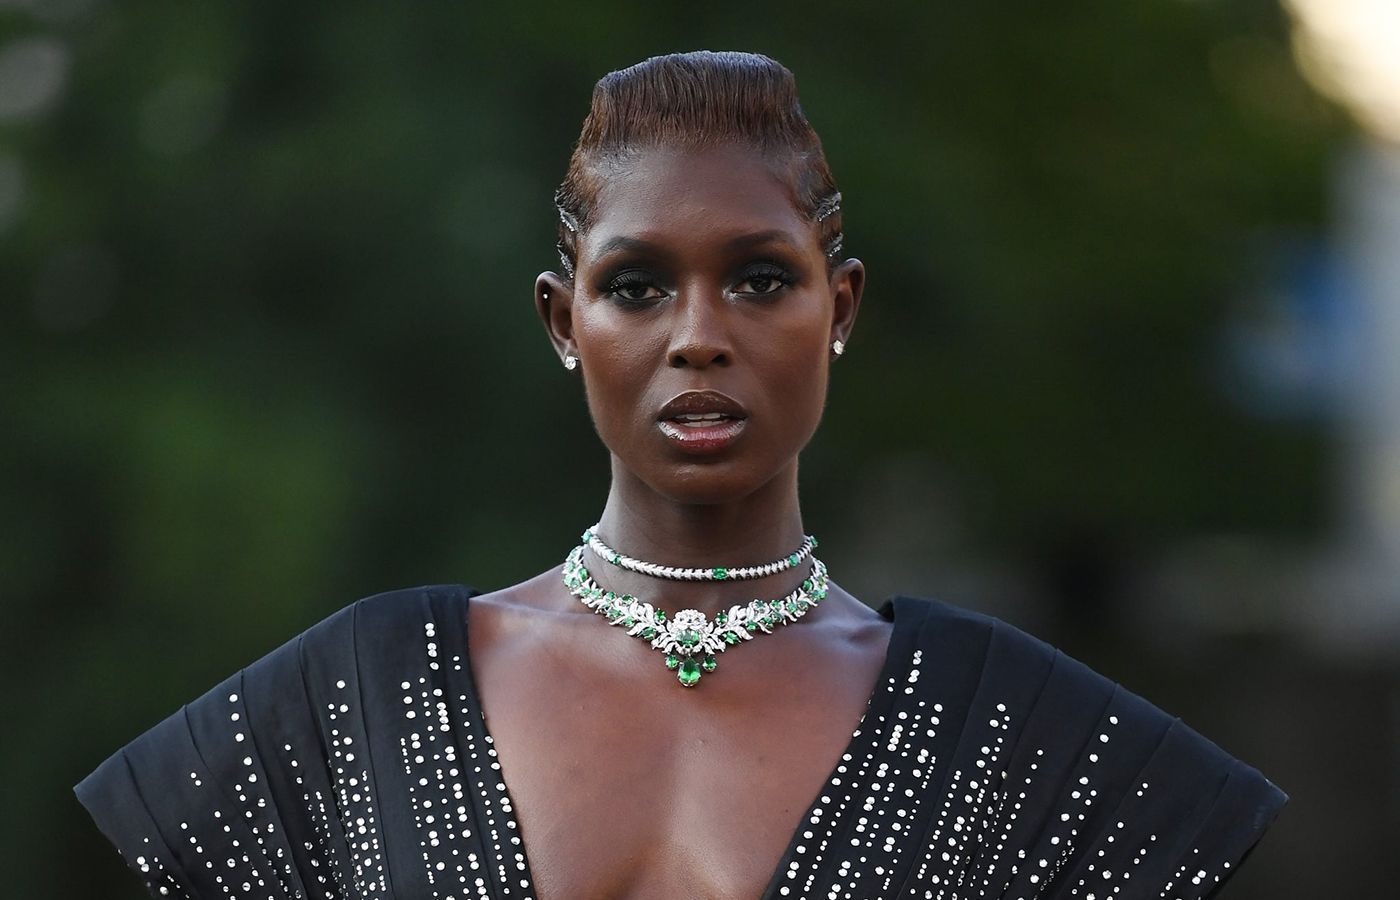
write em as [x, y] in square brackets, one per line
[759, 528]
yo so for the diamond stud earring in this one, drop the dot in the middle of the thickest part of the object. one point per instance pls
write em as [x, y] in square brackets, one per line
[838, 347]
[570, 362]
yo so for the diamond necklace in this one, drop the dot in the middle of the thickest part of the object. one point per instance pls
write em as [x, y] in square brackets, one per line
[690, 640]
[702, 573]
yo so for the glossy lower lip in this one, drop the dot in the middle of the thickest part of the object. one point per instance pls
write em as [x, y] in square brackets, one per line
[709, 437]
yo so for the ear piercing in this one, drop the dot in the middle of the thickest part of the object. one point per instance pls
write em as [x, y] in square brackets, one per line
[838, 347]
[570, 362]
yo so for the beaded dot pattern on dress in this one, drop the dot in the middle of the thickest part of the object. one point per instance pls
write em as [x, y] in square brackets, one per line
[945, 791]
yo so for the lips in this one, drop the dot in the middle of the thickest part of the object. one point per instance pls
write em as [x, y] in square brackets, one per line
[702, 421]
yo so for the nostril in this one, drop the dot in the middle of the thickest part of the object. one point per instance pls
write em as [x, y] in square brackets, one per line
[698, 357]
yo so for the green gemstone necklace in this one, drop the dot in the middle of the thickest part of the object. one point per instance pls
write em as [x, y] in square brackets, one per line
[690, 640]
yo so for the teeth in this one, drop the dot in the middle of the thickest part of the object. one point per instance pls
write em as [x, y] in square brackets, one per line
[701, 417]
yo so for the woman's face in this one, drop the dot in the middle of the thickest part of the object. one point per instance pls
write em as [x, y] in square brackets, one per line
[702, 313]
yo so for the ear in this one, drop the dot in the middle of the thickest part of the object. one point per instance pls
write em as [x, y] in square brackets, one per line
[554, 301]
[847, 284]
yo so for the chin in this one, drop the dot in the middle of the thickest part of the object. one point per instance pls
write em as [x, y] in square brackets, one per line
[701, 484]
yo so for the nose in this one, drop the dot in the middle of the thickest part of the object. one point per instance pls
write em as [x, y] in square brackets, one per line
[700, 337]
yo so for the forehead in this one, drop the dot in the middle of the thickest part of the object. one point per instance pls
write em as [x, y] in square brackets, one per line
[693, 196]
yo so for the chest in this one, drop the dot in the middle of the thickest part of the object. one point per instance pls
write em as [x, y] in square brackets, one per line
[626, 784]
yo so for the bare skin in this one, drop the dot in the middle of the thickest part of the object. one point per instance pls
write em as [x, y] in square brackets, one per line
[696, 273]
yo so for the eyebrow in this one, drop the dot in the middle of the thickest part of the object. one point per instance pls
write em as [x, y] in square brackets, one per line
[739, 242]
[771, 236]
[624, 243]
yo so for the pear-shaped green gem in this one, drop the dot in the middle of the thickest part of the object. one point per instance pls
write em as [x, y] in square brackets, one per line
[709, 664]
[689, 672]
[671, 661]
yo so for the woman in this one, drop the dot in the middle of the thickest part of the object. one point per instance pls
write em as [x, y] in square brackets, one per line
[707, 745]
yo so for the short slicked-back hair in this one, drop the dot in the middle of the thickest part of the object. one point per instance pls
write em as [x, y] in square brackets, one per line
[695, 100]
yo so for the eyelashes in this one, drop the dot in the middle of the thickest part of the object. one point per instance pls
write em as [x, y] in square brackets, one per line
[640, 289]
[634, 289]
[765, 279]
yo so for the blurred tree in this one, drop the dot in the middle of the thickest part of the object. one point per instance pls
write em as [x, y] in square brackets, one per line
[268, 342]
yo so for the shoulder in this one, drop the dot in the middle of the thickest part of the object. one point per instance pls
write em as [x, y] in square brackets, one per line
[287, 726]
[957, 639]
[1086, 758]
[402, 608]
[347, 639]
[356, 637]
[1001, 658]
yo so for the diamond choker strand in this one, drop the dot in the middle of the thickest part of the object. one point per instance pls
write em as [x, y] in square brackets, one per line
[715, 573]
[690, 640]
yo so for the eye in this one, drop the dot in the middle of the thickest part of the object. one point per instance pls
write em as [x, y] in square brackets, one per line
[763, 281]
[634, 289]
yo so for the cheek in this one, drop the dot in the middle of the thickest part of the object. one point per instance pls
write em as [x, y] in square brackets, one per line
[618, 359]
[794, 370]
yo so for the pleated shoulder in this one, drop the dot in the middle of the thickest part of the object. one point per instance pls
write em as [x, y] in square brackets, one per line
[992, 765]
[354, 763]
[349, 764]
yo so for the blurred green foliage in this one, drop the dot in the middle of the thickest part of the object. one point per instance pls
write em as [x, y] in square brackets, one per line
[268, 342]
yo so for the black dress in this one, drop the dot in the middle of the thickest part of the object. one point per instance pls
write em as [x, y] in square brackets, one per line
[354, 763]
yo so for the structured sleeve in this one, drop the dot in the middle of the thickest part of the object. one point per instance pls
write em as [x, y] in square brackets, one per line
[352, 763]
[1084, 789]
[261, 788]
[990, 764]
[112, 796]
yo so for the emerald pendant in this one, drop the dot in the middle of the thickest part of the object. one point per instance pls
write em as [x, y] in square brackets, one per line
[689, 672]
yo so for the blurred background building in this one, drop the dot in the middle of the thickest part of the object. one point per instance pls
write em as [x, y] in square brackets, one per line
[1127, 373]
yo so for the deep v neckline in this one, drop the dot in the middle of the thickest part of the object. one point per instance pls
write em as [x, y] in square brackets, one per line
[893, 660]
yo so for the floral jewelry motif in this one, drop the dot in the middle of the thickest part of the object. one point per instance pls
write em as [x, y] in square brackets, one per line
[690, 640]
[704, 573]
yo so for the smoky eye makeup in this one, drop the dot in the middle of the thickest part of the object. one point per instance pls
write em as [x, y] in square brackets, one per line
[763, 278]
[631, 287]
